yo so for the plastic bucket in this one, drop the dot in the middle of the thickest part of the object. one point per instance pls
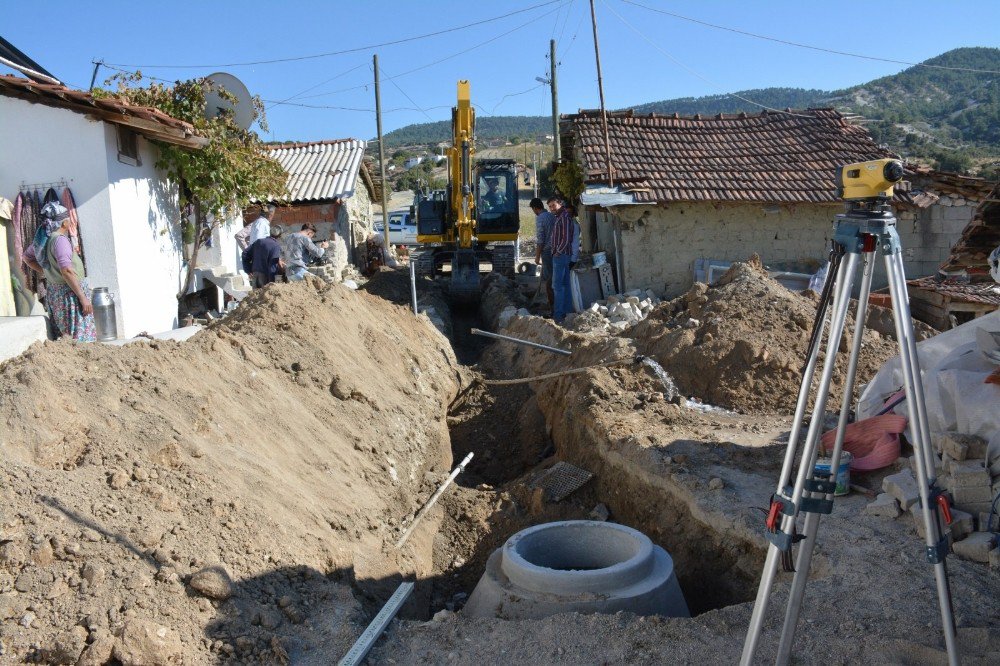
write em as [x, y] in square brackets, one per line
[843, 472]
[600, 259]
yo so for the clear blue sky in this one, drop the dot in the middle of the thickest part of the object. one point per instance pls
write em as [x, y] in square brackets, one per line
[65, 37]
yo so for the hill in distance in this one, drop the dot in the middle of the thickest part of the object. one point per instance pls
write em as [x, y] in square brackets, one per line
[945, 117]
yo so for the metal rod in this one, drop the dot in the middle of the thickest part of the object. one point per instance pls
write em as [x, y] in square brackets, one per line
[600, 88]
[381, 159]
[914, 393]
[811, 526]
[434, 498]
[527, 343]
[378, 624]
[413, 283]
[555, 100]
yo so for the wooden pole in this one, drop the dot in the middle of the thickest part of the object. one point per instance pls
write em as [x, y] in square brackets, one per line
[600, 88]
[381, 159]
[555, 100]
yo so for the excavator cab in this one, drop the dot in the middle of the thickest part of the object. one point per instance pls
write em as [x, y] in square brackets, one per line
[496, 194]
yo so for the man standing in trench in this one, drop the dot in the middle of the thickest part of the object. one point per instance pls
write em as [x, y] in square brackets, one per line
[299, 249]
[543, 250]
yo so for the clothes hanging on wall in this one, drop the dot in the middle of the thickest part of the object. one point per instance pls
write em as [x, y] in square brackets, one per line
[70, 205]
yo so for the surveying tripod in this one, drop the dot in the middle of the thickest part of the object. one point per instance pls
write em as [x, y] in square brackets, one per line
[868, 225]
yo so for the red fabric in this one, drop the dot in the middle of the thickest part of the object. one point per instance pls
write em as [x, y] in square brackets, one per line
[873, 442]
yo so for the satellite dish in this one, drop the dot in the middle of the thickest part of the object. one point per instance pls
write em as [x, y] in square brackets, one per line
[242, 110]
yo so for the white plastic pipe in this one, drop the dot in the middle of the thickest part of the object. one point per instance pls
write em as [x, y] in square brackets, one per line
[434, 498]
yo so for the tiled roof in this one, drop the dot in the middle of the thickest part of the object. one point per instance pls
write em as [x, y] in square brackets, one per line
[987, 293]
[770, 157]
[978, 239]
[149, 122]
[320, 170]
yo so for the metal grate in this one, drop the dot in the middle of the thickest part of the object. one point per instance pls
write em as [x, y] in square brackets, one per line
[607, 280]
[562, 480]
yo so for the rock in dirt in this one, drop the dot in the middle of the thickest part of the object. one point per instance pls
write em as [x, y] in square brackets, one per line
[145, 643]
[99, 651]
[213, 582]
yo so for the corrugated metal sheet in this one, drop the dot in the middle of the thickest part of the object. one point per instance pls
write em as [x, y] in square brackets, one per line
[321, 169]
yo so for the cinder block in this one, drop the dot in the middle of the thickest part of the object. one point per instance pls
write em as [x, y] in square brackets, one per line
[974, 446]
[954, 446]
[988, 522]
[903, 487]
[974, 507]
[976, 547]
[969, 474]
[885, 505]
[967, 495]
[962, 523]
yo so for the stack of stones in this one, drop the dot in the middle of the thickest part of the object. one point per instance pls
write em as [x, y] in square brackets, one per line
[972, 484]
[623, 310]
[325, 272]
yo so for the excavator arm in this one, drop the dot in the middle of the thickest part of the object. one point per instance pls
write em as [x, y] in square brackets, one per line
[463, 148]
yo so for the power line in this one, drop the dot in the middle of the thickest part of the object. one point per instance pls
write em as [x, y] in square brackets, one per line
[396, 86]
[302, 92]
[523, 92]
[694, 72]
[808, 46]
[346, 51]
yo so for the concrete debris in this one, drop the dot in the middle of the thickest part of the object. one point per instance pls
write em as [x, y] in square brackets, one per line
[599, 512]
[616, 313]
[885, 505]
[976, 547]
[903, 487]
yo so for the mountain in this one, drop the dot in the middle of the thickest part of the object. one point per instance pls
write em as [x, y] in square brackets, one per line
[947, 117]
[488, 127]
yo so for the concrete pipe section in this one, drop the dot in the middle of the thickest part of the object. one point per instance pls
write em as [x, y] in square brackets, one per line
[579, 566]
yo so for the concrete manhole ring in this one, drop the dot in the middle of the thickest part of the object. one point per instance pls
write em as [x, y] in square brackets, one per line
[577, 566]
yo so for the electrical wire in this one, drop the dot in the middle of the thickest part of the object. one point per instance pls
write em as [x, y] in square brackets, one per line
[321, 83]
[523, 92]
[694, 72]
[351, 50]
[396, 86]
[807, 46]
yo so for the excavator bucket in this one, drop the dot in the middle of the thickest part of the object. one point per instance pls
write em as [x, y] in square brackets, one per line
[464, 287]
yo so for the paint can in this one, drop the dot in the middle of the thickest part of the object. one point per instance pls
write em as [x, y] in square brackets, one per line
[822, 469]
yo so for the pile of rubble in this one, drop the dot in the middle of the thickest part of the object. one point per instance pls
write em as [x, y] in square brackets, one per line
[616, 313]
[962, 472]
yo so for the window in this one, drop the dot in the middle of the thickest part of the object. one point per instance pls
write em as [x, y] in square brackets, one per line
[128, 146]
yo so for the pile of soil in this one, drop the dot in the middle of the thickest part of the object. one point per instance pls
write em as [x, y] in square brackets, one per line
[168, 502]
[741, 343]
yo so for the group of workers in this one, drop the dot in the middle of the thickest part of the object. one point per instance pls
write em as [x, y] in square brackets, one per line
[266, 257]
[557, 249]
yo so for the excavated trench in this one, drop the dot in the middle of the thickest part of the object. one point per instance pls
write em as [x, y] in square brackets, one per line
[506, 428]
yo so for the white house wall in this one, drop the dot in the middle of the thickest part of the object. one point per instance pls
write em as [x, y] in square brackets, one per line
[42, 144]
[148, 248]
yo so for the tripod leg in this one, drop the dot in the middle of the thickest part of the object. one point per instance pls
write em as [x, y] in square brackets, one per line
[845, 271]
[811, 525]
[773, 553]
[937, 547]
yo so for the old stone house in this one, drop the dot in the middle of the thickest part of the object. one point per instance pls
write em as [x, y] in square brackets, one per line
[692, 192]
[963, 288]
[331, 185]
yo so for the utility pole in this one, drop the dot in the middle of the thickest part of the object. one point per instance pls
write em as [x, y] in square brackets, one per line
[600, 87]
[381, 158]
[534, 173]
[557, 154]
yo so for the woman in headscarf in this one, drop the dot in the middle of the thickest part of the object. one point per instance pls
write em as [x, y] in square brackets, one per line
[68, 294]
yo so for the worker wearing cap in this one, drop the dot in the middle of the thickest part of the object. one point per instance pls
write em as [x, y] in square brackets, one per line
[494, 198]
[263, 258]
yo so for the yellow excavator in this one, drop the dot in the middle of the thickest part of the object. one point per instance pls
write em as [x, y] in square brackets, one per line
[475, 220]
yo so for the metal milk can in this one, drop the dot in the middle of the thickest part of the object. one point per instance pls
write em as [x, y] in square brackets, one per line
[104, 314]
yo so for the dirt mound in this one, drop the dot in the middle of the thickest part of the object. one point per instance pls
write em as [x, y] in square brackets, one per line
[213, 499]
[741, 344]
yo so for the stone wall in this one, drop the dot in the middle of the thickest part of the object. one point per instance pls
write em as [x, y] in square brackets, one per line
[358, 221]
[660, 244]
